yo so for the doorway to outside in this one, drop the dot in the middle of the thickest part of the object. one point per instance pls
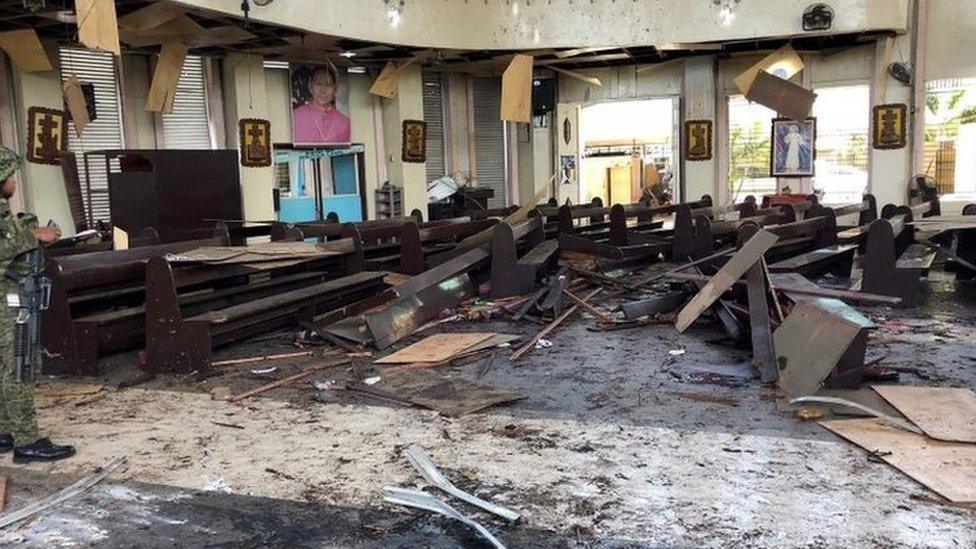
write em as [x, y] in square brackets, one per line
[628, 149]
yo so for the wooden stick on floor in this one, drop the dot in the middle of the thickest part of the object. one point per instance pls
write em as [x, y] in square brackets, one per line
[552, 326]
[236, 361]
[3, 493]
[289, 379]
[590, 308]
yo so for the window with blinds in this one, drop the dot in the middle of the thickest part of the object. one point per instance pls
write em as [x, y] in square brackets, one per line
[434, 117]
[750, 127]
[491, 167]
[105, 132]
[188, 126]
[843, 119]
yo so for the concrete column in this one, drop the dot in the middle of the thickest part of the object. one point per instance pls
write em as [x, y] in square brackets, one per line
[138, 123]
[699, 104]
[567, 145]
[42, 184]
[891, 169]
[364, 131]
[407, 105]
[246, 96]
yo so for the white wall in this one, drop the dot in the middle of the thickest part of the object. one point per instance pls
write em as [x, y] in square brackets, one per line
[558, 23]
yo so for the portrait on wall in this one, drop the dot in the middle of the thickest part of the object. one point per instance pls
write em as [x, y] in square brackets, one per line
[698, 140]
[320, 106]
[414, 141]
[255, 139]
[567, 169]
[47, 135]
[888, 124]
[794, 147]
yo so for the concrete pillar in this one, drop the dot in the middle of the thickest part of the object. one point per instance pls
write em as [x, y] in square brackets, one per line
[407, 105]
[139, 125]
[699, 104]
[568, 146]
[890, 169]
[42, 184]
[364, 131]
[245, 96]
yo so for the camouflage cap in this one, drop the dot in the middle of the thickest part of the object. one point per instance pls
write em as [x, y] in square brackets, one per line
[9, 163]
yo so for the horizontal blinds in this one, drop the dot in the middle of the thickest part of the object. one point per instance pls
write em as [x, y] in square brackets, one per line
[434, 116]
[105, 132]
[489, 136]
[188, 126]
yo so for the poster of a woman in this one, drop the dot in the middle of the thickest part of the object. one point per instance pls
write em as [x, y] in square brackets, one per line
[794, 148]
[319, 101]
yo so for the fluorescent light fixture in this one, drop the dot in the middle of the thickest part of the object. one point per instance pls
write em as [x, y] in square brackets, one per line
[356, 70]
[347, 54]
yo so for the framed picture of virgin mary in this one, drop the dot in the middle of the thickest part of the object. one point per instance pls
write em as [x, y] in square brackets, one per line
[794, 150]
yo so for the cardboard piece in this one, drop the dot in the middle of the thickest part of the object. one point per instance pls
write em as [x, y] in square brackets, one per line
[162, 91]
[74, 98]
[388, 82]
[783, 96]
[98, 28]
[517, 90]
[120, 239]
[812, 341]
[25, 49]
[435, 348]
[947, 468]
[784, 63]
[944, 413]
[151, 16]
[740, 262]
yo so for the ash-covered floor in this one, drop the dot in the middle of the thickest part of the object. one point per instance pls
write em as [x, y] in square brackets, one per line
[620, 443]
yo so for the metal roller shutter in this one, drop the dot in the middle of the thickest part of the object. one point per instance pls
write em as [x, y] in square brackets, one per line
[188, 126]
[434, 116]
[489, 135]
[105, 132]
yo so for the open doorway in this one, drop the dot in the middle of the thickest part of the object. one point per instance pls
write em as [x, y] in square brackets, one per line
[628, 149]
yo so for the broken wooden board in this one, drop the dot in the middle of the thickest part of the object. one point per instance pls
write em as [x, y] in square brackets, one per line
[388, 82]
[120, 239]
[435, 390]
[181, 28]
[435, 348]
[25, 49]
[74, 98]
[782, 96]
[946, 468]
[944, 413]
[811, 342]
[747, 256]
[151, 16]
[169, 66]
[98, 28]
[784, 63]
[402, 316]
[517, 90]
[763, 350]
[255, 253]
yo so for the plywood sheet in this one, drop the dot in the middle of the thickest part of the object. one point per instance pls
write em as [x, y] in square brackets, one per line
[517, 90]
[74, 97]
[25, 49]
[784, 63]
[151, 16]
[120, 239]
[740, 262]
[437, 391]
[98, 28]
[162, 91]
[435, 348]
[782, 96]
[387, 82]
[944, 413]
[948, 468]
[182, 28]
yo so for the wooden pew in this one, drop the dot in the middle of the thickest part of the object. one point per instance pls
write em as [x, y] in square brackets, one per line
[514, 275]
[146, 237]
[697, 233]
[882, 273]
[810, 247]
[418, 244]
[182, 329]
[964, 246]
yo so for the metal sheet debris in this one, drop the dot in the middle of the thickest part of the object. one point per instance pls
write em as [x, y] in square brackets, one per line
[423, 500]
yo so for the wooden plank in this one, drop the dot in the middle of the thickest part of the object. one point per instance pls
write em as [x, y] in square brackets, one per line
[25, 49]
[75, 99]
[812, 289]
[763, 354]
[747, 256]
[151, 16]
[552, 326]
[517, 90]
[590, 308]
[162, 91]
[944, 413]
[3, 493]
[120, 239]
[784, 62]
[98, 28]
[289, 379]
[435, 348]
[592, 80]
[947, 468]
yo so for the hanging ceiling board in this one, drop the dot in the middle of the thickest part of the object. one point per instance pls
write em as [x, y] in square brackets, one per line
[98, 28]
[435, 348]
[784, 63]
[162, 91]
[782, 96]
[388, 81]
[578, 76]
[25, 49]
[74, 97]
[747, 256]
[151, 16]
[947, 468]
[517, 90]
[181, 28]
[944, 413]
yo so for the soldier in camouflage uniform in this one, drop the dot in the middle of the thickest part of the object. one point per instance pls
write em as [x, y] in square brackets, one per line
[18, 234]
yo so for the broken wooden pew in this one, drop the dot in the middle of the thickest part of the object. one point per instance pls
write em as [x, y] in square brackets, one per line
[810, 247]
[514, 274]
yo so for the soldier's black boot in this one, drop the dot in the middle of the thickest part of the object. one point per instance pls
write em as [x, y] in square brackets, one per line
[42, 450]
[6, 443]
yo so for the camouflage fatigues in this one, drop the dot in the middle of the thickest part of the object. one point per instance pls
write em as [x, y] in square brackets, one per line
[16, 237]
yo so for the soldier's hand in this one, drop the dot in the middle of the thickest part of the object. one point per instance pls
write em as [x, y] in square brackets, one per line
[47, 235]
